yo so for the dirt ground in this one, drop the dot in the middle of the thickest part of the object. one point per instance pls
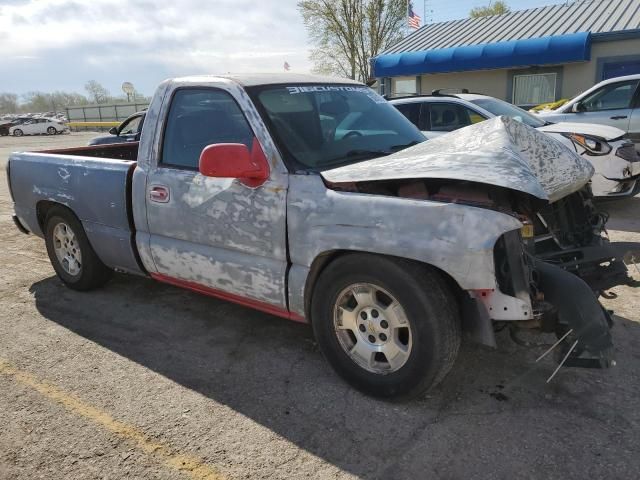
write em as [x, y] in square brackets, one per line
[143, 380]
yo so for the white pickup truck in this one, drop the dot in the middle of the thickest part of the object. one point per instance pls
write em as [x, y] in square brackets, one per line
[315, 200]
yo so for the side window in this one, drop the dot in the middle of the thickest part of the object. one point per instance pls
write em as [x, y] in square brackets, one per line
[130, 127]
[201, 117]
[447, 117]
[411, 111]
[611, 97]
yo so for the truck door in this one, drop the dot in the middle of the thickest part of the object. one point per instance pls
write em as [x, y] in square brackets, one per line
[215, 235]
[609, 105]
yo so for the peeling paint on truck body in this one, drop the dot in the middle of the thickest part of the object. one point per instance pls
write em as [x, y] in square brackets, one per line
[95, 189]
[219, 236]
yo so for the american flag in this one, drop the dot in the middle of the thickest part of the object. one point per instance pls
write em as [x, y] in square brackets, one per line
[414, 20]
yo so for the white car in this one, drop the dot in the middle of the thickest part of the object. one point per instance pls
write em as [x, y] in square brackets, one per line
[39, 126]
[614, 102]
[615, 159]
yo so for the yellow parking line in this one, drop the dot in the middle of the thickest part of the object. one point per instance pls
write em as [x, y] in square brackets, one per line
[192, 466]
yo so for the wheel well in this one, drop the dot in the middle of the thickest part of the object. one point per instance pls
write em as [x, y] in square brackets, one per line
[322, 261]
[42, 210]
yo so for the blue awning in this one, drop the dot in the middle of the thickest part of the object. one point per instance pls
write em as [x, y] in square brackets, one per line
[556, 49]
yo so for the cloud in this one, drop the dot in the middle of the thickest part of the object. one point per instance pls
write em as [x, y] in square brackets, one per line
[115, 40]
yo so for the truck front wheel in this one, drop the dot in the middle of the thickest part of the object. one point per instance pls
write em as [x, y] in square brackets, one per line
[389, 327]
[70, 252]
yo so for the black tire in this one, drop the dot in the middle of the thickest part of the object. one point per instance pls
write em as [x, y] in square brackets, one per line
[51, 131]
[17, 132]
[430, 307]
[92, 273]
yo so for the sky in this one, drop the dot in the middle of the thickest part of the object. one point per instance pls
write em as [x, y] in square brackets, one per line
[49, 45]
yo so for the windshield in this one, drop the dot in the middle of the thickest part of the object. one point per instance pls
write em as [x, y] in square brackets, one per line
[323, 126]
[499, 107]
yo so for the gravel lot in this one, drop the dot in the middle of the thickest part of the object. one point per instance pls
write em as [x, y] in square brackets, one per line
[143, 380]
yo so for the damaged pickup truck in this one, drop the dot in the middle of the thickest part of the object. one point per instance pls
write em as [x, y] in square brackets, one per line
[317, 201]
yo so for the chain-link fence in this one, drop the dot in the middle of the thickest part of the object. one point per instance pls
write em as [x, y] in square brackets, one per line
[102, 113]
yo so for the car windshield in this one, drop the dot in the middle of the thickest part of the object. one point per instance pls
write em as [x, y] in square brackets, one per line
[323, 126]
[499, 107]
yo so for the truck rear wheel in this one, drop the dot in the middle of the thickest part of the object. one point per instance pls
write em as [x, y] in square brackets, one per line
[70, 252]
[389, 327]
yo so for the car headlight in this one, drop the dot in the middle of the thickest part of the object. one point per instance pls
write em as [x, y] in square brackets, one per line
[593, 145]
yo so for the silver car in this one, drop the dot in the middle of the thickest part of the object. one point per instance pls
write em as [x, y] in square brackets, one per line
[614, 102]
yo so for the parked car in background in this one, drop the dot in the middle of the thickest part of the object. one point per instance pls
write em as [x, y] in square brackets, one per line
[616, 161]
[38, 126]
[7, 123]
[314, 199]
[614, 102]
[128, 131]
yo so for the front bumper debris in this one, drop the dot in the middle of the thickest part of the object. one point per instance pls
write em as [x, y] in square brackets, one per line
[578, 311]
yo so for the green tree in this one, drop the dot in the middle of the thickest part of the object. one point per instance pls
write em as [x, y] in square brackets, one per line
[494, 8]
[347, 33]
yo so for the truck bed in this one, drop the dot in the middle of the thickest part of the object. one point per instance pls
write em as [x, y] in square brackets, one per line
[93, 182]
[114, 151]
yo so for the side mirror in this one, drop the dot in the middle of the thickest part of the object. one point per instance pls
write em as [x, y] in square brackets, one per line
[113, 130]
[577, 107]
[233, 160]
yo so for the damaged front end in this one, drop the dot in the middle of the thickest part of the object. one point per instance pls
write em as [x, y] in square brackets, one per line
[562, 302]
[548, 274]
[571, 234]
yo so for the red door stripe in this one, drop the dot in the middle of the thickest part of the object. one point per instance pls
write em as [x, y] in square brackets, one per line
[247, 302]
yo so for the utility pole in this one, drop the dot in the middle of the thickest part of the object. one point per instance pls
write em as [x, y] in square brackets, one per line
[427, 12]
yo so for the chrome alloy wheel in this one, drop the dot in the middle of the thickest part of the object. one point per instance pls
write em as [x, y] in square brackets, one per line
[372, 328]
[67, 249]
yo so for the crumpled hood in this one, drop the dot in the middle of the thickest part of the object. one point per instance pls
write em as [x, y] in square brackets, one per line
[499, 151]
[602, 131]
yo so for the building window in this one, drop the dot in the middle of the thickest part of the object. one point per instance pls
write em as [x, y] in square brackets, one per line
[531, 90]
[405, 86]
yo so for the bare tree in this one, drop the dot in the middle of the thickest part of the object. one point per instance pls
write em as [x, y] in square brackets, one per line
[8, 103]
[348, 33]
[96, 91]
[497, 8]
[55, 101]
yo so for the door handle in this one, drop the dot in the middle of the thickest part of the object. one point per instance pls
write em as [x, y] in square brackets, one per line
[159, 194]
[618, 117]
